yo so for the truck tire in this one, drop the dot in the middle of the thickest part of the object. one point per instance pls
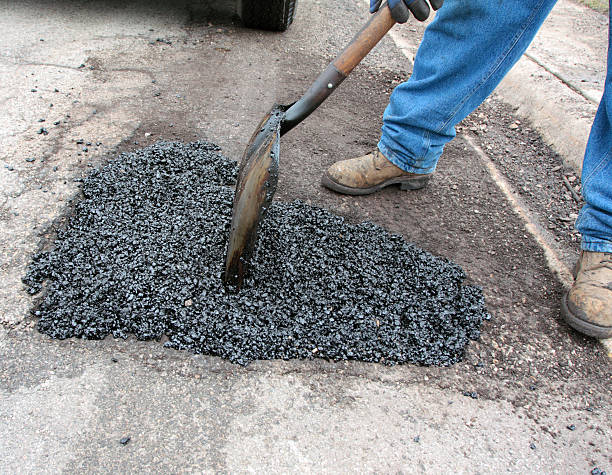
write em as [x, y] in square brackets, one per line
[274, 15]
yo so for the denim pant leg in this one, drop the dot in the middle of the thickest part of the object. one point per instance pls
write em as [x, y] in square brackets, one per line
[595, 219]
[465, 53]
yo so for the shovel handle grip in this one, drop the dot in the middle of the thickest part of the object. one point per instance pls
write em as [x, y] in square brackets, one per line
[327, 82]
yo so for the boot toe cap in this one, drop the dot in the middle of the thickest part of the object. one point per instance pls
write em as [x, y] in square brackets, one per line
[588, 309]
[338, 173]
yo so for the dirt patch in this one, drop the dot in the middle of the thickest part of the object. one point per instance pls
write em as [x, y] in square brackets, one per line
[535, 171]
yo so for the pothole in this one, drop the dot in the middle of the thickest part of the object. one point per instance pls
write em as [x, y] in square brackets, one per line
[143, 251]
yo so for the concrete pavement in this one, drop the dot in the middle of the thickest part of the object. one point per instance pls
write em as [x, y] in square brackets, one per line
[142, 71]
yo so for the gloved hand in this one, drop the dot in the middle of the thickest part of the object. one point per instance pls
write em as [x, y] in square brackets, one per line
[401, 9]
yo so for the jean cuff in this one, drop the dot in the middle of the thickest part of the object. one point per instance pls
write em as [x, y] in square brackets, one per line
[596, 245]
[401, 162]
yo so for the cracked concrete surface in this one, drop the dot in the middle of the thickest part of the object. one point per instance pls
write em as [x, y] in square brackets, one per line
[191, 412]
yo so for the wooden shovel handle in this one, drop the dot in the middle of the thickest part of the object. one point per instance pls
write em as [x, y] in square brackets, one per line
[364, 41]
[327, 82]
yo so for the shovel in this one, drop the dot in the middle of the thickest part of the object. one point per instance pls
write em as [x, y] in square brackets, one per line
[258, 173]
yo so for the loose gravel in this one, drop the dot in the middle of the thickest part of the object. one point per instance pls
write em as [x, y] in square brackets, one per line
[142, 253]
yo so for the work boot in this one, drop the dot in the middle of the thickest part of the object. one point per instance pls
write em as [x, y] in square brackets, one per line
[587, 307]
[370, 173]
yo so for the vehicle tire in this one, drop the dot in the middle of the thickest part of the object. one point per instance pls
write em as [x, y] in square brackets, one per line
[274, 15]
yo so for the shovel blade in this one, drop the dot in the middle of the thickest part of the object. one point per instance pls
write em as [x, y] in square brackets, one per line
[257, 179]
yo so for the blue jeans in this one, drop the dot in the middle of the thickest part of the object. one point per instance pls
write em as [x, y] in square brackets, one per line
[465, 53]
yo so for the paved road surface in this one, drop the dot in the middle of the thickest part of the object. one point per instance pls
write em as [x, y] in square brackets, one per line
[125, 74]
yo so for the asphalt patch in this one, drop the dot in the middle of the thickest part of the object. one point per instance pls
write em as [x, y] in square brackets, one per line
[142, 253]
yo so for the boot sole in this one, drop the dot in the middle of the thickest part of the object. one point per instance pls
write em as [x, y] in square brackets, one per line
[411, 183]
[577, 323]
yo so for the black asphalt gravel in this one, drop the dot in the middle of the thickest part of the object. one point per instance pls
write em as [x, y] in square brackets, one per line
[143, 251]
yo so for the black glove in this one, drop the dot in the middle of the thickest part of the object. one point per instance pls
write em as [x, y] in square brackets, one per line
[401, 9]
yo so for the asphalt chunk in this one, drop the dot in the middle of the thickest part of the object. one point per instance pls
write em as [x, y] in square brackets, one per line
[150, 233]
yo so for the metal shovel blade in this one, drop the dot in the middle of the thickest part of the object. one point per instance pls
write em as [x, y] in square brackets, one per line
[258, 173]
[255, 189]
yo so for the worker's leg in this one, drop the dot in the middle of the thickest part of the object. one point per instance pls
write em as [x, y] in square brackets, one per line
[465, 53]
[588, 305]
[595, 219]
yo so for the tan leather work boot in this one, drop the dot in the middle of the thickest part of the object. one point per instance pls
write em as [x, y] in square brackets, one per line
[370, 173]
[587, 307]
